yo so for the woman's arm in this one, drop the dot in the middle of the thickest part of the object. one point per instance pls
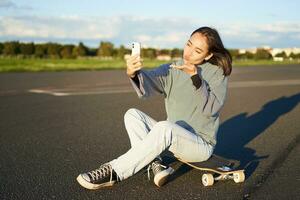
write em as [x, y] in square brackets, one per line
[211, 93]
[151, 82]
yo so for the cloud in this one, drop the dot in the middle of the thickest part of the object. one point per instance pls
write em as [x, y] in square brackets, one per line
[7, 4]
[121, 29]
[276, 34]
[58, 27]
[281, 27]
[155, 32]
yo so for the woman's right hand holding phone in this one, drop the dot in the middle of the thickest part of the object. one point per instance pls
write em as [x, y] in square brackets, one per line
[134, 64]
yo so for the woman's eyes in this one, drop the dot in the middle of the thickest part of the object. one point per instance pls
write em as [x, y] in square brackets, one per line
[188, 44]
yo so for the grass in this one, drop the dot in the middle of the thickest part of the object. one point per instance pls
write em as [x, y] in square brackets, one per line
[240, 63]
[36, 65]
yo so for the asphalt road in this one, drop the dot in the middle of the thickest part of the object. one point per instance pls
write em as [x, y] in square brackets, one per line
[56, 125]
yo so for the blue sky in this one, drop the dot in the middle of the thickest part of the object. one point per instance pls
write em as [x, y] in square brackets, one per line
[162, 24]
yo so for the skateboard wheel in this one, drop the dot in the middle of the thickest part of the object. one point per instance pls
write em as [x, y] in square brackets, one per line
[239, 177]
[207, 179]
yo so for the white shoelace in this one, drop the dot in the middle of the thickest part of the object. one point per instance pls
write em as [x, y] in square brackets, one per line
[155, 166]
[101, 172]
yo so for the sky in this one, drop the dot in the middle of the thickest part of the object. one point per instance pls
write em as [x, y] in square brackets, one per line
[154, 23]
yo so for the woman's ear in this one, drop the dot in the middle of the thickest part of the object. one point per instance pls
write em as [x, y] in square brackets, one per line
[209, 56]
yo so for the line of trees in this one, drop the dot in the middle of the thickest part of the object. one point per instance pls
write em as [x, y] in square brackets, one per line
[106, 50]
[260, 55]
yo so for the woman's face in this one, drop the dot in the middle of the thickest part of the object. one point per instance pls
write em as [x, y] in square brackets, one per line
[196, 50]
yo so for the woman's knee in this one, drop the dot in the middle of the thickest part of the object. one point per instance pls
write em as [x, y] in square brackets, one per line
[132, 112]
[163, 124]
[162, 130]
[163, 127]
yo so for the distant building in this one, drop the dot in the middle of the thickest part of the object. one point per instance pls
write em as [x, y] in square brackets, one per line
[250, 50]
[287, 51]
[163, 57]
[276, 51]
[280, 59]
[272, 51]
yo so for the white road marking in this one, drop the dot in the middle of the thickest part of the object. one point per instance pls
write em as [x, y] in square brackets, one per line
[267, 83]
[95, 89]
[80, 91]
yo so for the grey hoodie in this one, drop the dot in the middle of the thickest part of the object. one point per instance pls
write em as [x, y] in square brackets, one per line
[196, 109]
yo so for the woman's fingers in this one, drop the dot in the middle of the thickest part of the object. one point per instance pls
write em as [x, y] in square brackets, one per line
[132, 58]
[179, 67]
[183, 66]
[134, 61]
[137, 61]
[138, 64]
[138, 68]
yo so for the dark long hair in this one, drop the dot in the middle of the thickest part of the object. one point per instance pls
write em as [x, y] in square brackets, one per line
[221, 56]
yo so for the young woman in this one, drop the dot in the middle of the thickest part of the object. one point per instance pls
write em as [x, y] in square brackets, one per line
[194, 92]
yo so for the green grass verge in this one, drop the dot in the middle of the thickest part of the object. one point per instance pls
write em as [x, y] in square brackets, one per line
[240, 63]
[36, 65]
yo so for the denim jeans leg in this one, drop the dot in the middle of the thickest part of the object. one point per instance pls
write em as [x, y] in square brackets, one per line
[138, 125]
[163, 135]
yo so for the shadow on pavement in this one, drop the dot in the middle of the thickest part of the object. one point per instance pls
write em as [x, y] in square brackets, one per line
[235, 133]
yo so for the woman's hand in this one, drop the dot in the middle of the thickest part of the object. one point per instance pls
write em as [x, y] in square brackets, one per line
[187, 68]
[134, 63]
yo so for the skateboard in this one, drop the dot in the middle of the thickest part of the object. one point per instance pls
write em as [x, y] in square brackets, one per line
[217, 168]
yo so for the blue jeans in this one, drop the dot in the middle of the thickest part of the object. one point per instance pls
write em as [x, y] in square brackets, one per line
[150, 138]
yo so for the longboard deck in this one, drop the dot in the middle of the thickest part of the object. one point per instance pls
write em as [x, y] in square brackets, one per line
[214, 168]
[215, 161]
[221, 169]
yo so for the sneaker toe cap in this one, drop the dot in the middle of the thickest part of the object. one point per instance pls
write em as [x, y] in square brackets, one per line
[86, 177]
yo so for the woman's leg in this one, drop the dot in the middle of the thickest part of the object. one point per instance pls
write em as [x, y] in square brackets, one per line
[163, 135]
[138, 125]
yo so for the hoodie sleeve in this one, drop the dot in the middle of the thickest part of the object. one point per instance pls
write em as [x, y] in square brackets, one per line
[212, 93]
[151, 82]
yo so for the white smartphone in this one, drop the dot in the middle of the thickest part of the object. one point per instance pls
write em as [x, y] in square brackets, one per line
[135, 48]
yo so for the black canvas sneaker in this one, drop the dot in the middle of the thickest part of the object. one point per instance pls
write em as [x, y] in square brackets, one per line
[160, 171]
[104, 176]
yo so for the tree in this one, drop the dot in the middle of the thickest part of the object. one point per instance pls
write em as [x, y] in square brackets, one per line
[176, 53]
[105, 49]
[92, 51]
[247, 55]
[149, 53]
[11, 48]
[53, 50]
[27, 49]
[295, 56]
[66, 51]
[234, 53]
[281, 54]
[121, 52]
[262, 54]
[1, 48]
[40, 50]
[80, 50]
[164, 52]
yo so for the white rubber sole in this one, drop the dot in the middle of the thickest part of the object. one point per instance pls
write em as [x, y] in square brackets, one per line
[92, 186]
[161, 178]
